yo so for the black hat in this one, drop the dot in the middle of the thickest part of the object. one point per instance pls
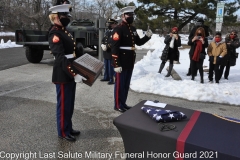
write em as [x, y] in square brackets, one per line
[235, 31]
[112, 21]
[218, 33]
[200, 20]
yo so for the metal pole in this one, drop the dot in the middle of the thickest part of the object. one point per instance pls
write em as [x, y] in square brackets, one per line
[101, 26]
[100, 35]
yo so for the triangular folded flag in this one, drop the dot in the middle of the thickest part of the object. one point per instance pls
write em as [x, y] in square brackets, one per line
[160, 115]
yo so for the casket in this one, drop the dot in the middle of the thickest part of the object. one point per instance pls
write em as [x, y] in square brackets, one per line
[88, 67]
[200, 136]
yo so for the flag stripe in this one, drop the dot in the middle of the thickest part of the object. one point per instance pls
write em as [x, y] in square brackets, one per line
[185, 133]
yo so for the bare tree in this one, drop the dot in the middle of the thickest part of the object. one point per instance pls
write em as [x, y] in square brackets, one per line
[33, 14]
[107, 8]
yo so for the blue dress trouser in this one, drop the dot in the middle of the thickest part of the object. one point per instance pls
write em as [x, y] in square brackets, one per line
[65, 107]
[121, 87]
[109, 71]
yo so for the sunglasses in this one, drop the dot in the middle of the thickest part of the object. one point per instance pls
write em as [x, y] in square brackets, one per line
[233, 34]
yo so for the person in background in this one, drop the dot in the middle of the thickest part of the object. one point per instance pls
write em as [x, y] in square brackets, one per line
[232, 42]
[124, 38]
[198, 44]
[216, 50]
[171, 53]
[64, 75]
[107, 55]
[199, 23]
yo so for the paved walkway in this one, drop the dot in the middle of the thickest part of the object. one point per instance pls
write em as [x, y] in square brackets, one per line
[28, 124]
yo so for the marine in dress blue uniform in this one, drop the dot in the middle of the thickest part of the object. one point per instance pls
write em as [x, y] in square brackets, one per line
[107, 55]
[124, 38]
[64, 75]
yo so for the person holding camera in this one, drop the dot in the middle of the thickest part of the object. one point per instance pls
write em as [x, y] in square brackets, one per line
[216, 50]
[170, 52]
[197, 52]
[199, 23]
[232, 42]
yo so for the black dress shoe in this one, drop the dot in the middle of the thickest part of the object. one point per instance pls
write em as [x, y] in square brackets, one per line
[127, 107]
[68, 138]
[75, 132]
[109, 83]
[104, 80]
[120, 110]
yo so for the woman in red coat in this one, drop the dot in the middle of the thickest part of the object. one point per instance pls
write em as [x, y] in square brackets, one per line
[197, 52]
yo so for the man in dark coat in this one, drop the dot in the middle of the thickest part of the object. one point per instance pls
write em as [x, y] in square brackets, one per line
[232, 42]
[124, 38]
[107, 55]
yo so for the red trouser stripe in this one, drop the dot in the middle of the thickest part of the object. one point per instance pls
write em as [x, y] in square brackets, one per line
[185, 133]
[117, 89]
[62, 110]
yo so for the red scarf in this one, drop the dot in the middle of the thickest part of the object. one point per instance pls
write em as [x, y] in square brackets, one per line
[197, 51]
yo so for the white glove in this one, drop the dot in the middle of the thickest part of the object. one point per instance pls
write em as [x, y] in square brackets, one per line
[79, 79]
[118, 69]
[148, 33]
[104, 47]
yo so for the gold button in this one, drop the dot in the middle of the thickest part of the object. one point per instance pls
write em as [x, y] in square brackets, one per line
[72, 38]
[74, 74]
[69, 67]
[74, 43]
[65, 31]
[116, 62]
[71, 70]
[123, 53]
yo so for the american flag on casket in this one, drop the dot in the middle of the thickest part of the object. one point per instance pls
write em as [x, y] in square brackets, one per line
[160, 115]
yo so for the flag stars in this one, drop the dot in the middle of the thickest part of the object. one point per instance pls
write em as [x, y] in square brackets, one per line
[148, 110]
[171, 116]
[182, 114]
[154, 115]
[158, 117]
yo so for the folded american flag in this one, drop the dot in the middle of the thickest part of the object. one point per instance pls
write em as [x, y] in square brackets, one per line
[163, 115]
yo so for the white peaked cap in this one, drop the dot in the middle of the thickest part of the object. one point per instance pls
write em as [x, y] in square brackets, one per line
[127, 9]
[60, 8]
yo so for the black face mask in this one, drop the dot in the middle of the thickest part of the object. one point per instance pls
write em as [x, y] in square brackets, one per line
[65, 21]
[199, 34]
[174, 32]
[129, 20]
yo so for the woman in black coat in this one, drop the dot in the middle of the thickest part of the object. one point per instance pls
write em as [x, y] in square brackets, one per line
[197, 52]
[232, 42]
[170, 52]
